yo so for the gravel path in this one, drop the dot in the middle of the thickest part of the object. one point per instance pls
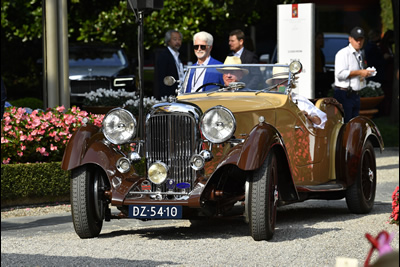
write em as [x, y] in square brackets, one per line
[313, 233]
[35, 210]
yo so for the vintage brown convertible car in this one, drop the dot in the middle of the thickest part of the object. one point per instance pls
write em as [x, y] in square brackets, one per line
[203, 152]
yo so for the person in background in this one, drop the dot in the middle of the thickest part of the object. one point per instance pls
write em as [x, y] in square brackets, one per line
[321, 80]
[168, 63]
[202, 44]
[350, 75]
[236, 45]
[374, 56]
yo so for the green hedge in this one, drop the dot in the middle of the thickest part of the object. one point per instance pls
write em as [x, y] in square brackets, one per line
[29, 102]
[32, 183]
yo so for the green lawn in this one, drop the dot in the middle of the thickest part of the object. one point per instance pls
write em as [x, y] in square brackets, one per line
[389, 131]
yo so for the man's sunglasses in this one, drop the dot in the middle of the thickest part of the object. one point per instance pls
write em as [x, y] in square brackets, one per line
[203, 47]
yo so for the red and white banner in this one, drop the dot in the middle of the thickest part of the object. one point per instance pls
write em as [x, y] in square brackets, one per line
[296, 42]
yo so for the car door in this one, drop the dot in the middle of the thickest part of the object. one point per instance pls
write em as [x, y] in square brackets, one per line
[306, 146]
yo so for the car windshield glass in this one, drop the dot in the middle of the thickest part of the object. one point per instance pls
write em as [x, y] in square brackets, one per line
[244, 77]
[96, 57]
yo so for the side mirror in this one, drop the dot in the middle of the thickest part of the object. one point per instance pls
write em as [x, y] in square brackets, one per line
[169, 80]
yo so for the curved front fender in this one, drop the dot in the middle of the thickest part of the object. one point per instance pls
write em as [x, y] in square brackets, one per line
[87, 146]
[353, 137]
[251, 154]
[77, 146]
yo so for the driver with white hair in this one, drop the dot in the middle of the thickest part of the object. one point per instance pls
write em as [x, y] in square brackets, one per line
[280, 75]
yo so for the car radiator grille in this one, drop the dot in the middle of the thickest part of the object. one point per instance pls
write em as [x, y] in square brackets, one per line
[79, 87]
[171, 139]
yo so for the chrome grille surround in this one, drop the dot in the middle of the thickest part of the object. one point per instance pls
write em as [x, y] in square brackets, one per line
[172, 137]
[85, 86]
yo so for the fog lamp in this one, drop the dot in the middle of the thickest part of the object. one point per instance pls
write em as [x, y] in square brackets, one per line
[158, 172]
[123, 165]
[207, 155]
[197, 162]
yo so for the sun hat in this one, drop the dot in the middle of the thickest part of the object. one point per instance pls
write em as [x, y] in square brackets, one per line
[232, 60]
[278, 73]
[357, 32]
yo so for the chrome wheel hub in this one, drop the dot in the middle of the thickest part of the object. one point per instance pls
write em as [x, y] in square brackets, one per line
[276, 196]
[370, 175]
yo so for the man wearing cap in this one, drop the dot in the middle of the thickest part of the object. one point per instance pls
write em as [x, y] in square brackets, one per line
[350, 75]
[202, 44]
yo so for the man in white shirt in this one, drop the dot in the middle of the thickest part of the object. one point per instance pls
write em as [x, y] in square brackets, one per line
[350, 75]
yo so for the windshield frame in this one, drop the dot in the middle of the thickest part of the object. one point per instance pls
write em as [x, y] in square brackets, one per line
[183, 84]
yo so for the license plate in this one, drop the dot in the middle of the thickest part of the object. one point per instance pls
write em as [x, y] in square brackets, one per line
[155, 212]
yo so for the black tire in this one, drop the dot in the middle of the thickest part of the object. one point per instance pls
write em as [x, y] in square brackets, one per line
[360, 196]
[87, 201]
[264, 199]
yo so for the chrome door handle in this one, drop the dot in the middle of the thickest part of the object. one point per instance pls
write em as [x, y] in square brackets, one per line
[298, 127]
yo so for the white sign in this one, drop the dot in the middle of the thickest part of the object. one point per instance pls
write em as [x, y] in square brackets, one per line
[296, 42]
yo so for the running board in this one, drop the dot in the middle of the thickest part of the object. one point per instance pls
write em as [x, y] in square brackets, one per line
[320, 188]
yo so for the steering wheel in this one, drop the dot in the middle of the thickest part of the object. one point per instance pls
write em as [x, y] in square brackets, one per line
[207, 84]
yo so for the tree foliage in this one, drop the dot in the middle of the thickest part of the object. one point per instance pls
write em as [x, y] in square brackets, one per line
[114, 21]
[108, 21]
[120, 21]
[21, 20]
[386, 15]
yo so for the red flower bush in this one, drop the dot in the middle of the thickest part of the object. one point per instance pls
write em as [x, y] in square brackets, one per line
[40, 136]
[394, 217]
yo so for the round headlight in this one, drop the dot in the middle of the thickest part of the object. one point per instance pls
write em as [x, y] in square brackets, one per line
[218, 124]
[158, 172]
[119, 126]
